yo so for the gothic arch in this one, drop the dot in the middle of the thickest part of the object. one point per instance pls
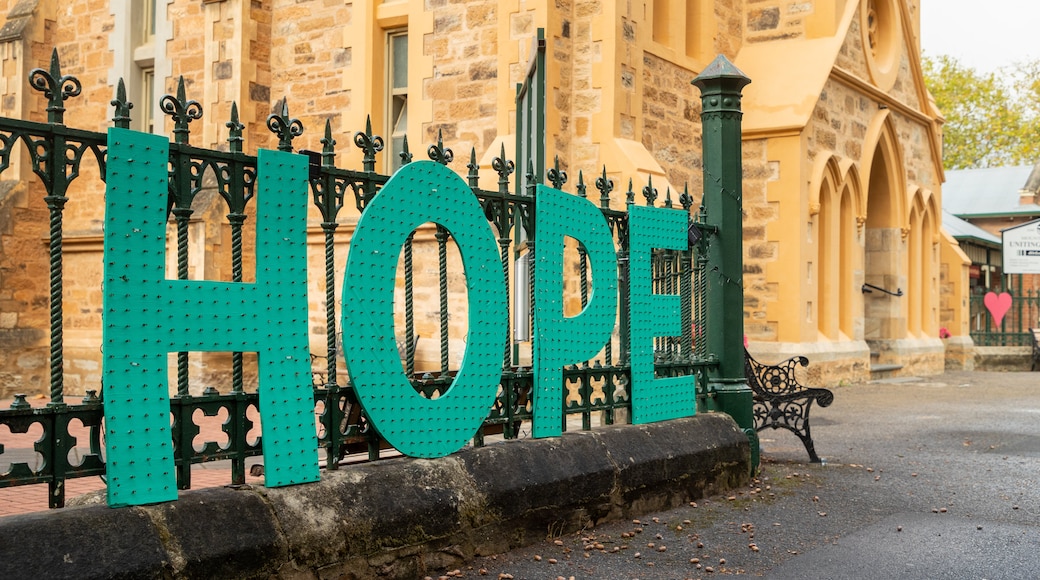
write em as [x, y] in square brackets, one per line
[832, 206]
[927, 221]
[931, 201]
[881, 145]
[826, 169]
[930, 227]
[824, 204]
[886, 227]
[917, 245]
[850, 176]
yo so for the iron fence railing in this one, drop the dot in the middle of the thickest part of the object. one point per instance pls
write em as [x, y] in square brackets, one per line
[596, 388]
[1014, 328]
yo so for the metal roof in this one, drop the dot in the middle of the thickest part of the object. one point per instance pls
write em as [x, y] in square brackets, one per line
[992, 191]
[962, 230]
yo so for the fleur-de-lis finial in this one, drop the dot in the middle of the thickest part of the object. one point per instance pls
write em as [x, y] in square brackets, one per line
[406, 155]
[439, 153]
[327, 196]
[504, 168]
[605, 186]
[369, 145]
[649, 191]
[686, 200]
[182, 110]
[284, 126]
[328, 146]
[121, 117]
[556, 176]
[55, 87]
[531, 184]
[473, 176]
[235, 129]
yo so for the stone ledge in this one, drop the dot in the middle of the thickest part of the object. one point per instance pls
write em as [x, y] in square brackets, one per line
[399, 518]
[1003, 358]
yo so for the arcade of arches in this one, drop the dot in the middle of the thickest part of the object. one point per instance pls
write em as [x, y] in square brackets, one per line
[872, 253]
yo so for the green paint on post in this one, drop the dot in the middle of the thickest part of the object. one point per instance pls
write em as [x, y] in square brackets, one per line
[721, 84]
[558, 340]
[418, 193]
[147, 316]
[653, 315]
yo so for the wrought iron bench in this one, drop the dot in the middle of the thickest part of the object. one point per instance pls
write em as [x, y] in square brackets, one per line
[1035, 335]
[782, 401]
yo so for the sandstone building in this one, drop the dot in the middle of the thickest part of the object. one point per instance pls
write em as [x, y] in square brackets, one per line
[841, 152]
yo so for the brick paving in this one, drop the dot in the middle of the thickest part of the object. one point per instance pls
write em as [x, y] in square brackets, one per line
[18, 448]
[33, 498]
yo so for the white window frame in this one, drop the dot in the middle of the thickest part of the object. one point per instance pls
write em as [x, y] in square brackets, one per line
[139, 52]
[393, 159]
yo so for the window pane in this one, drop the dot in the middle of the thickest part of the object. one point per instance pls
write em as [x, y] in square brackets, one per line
[399, 61]
[398, 129]
[400, 126]
[145, 19]
[148, 100]
[395, 155]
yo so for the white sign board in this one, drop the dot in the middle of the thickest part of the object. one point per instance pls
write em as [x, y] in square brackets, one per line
[1021, 248]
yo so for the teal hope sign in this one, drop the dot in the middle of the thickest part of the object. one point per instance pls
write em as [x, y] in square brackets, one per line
[147, 316]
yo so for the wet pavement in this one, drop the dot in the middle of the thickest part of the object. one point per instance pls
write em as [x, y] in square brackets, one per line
[926, 478]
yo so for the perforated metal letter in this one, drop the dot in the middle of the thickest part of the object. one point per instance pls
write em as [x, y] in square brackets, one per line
[147, 316]
[652, 315]
[422, 192]
[559, 340]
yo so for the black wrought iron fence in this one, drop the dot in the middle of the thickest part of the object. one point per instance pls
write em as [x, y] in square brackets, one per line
[597, 388]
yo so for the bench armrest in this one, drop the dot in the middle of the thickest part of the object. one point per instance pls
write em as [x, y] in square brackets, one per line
[771, 380]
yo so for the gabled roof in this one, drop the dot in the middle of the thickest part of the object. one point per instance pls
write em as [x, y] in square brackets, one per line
[962, 230]
[988, 192]
[788, 74]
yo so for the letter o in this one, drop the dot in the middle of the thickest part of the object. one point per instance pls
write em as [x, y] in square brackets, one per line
[422, 192]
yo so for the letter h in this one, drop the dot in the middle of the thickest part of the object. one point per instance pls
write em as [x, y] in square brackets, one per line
[147, 316]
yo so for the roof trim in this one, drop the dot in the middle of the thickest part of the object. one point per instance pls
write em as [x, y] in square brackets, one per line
[978, 241]
[966, 216]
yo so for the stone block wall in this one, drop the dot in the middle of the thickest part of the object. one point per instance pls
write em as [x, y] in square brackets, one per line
[776, 19]
[759, 249]
[464, 83]
[671, 124]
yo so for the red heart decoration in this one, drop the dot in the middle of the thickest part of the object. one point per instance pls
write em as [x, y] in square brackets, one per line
[998, 305]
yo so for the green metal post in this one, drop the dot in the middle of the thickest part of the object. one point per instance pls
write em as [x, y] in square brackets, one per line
[720, 85]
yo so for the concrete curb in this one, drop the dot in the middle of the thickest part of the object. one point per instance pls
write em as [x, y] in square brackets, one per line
[393, 519]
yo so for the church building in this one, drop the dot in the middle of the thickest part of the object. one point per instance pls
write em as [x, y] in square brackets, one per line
[845, 257]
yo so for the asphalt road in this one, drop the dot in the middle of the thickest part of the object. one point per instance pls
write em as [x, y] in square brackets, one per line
[929, 478]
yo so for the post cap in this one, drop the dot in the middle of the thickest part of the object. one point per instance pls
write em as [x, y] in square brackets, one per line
[721, 69]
